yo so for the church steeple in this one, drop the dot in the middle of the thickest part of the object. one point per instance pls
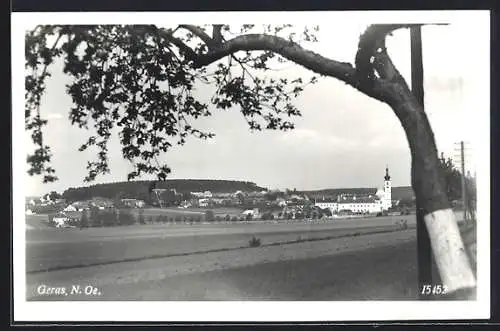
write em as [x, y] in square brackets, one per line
[387, 177]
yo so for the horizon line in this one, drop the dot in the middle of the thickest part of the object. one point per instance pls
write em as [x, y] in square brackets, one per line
[227, 180]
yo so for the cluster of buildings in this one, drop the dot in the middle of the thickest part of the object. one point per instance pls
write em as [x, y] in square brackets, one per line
[60, 205]
[208, 199]
[280, 202]
[379, 202]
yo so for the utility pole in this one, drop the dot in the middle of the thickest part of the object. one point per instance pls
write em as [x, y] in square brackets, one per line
[463, 149]
[464, 191]
[158, 192]
[424, 251]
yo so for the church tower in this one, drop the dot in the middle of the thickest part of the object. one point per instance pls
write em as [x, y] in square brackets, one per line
[387, 196]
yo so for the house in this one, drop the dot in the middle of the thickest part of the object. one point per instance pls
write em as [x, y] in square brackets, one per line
[327, 204]
[133, 203]
[205, 195]
[203, 202]
[81, 205]
[359, 204]
[70, 208]
[281, 202]
[254, 212]
[61, 220]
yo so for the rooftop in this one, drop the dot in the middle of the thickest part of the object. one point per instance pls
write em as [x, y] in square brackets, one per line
[358, 200]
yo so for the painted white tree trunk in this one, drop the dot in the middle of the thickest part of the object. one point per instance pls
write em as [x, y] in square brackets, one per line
[449, 252]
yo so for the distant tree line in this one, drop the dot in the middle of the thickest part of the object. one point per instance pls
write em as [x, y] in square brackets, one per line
[106, 218]
[143, 189]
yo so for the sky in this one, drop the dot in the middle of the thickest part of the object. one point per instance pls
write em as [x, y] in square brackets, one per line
[344, 139]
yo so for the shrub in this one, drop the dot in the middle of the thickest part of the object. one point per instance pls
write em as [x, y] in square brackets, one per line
[84, 220]
[126, 217]
[115, 215]
[254, 242]
[267, 216]
[178, 219]
[95, 219]
[73, 222]
[403, 224]
[108, 218]
[141, 218]
[209, 216]
[234, 219]
[218, 219]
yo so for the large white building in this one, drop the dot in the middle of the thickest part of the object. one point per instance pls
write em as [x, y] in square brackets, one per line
[362, 204]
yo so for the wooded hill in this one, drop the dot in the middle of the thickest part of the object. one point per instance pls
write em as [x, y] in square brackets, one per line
[141, 189]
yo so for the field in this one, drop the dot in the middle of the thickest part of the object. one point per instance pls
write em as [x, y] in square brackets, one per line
[374, 266]
[342, 259]
[172, 212]
[56, 248]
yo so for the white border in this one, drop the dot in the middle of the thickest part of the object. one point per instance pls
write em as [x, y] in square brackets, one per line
[237, 311]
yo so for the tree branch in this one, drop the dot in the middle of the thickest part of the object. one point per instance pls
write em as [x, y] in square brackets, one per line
[168, 35]
[216, 34]
[293, 52]
[200, 33]
[371, 46]
[372, 40]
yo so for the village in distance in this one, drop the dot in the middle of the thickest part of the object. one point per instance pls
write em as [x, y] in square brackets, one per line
[195, 201]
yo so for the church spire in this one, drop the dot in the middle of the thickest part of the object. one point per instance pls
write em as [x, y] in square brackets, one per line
[387, 177]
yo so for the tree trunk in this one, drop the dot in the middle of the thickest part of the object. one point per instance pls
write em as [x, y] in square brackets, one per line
[448, 249]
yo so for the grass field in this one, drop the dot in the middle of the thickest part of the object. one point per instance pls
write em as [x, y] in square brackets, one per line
[54, 248]
[172, 212]
[342, 259]
[375, 266]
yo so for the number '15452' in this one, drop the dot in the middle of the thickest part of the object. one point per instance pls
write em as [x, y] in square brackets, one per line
[434, 289]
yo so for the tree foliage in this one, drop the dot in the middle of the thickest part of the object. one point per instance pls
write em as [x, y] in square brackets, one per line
[453, 179]
[53, 196]
[142, 81]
